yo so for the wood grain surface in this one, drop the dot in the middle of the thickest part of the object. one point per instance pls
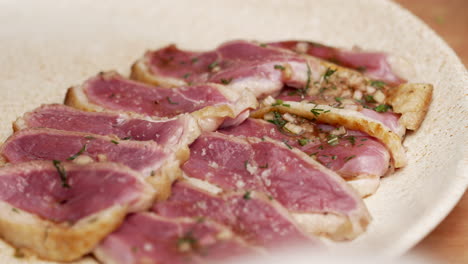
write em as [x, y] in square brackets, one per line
[449, 18]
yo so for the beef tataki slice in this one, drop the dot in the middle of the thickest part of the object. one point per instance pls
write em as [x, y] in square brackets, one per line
[319, 199]
[210, 104]
[61, 211]
[149, 238]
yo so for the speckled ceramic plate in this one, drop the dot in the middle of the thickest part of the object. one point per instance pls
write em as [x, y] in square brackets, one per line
[47, 46]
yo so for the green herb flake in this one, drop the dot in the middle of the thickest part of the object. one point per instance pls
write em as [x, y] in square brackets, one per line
[194, 60]
[316, 111]
[188, 238]
[334, 157]
[364, 139]
[226, 81]
[15, 210]
[279, 67]
[278, 120]
[152, 174]
[313, 154]
[369, 98]
[286, 105]
[81, 151]
[127, 138]
[382, 108]
[361, 68]
[303, 141]
[263, 45]
[89, 137]
[339, 99]
[247, 195]
[351, 139]
[278, 102]
[186, 75]
[213, 65]
[287, 145]
[349, 158]
[61, 171]
[377, 84]
[320, 147]
[329, 72]
[170, 101]
[114, 142]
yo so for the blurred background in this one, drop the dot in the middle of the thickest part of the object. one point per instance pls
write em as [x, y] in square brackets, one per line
[449, 18]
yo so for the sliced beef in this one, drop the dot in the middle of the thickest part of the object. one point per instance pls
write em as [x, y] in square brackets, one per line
[266, 69]
[210, 103]
[257, 218]
[349, 119]
[60, 210]
[373, 64]
[149, 238]
[353, 155]
[319, 199]
[172, 132]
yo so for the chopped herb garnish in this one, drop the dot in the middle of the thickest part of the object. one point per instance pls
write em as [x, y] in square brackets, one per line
[270, 197]
[369, 98]
[263, 45]
[188, 238]
[134, 249]
[279, 67]
[246, 195]
[333, 140]
[339, 99]
[313, 154]
[317, 111]
[334, 157]
[15, 210]
[287, 145]
[213, 65]
[278, 120]
[278, 102]
[286, 105]
[89, 137]
[320, 147]
[114, 142]
[61, 171]
[364, 139]
[377, 84]
[329, 72]
[83, 149]
[349, 158]
[186, 75]
[152, 173]
[263, 139]
[127, 138]
[170, 101]
[263, 166]
[351, 139]
[382, 108]
[303, 141]
[112, 95]
[200, 219]
[361, 68]
[226, 81]
[360, 145]
[194, 60]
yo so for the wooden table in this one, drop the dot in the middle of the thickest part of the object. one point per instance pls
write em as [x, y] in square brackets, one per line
[449, 18]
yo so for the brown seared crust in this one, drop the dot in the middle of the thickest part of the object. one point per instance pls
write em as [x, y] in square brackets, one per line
[412, 100]
[141, 72]
[349, 119]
